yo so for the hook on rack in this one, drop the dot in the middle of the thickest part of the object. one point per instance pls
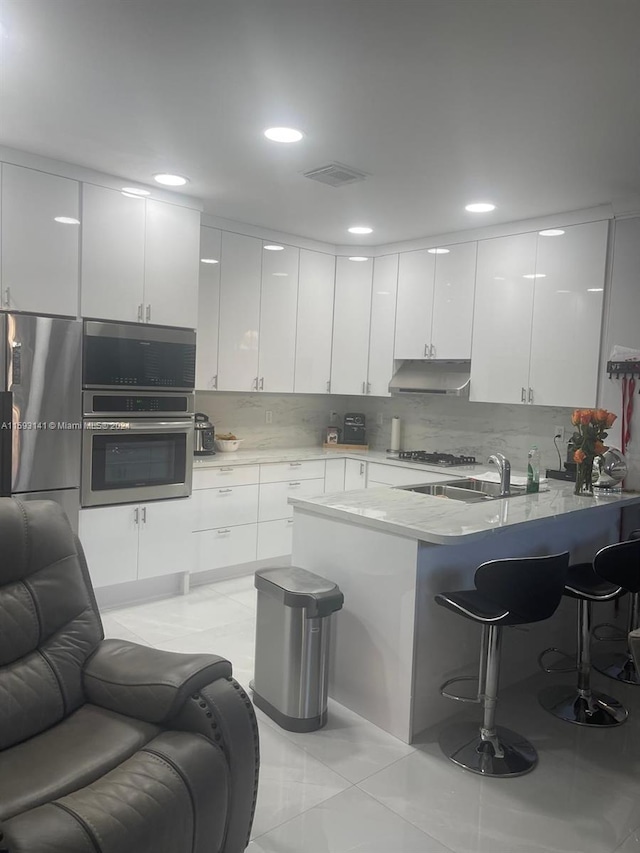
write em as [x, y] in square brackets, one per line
[624, 369]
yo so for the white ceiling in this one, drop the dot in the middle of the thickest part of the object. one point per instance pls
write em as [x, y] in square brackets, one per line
[534, 104]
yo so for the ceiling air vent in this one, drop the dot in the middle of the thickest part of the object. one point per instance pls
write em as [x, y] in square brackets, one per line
[335, 175]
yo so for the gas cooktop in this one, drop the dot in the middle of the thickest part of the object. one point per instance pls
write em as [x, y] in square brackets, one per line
[443, 460]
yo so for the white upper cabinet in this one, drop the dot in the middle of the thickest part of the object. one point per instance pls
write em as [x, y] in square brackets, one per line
[382, 333]
[172, 240]
[502, 319]
[415, 304]
[240, 277]
[112, 255]
[453, 302]
[39, 254]
[351, 320]
[567, 316]
[208, 310]
[278, 309]
[315, 322]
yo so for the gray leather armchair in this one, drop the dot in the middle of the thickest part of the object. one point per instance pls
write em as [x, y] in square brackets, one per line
[107, 746]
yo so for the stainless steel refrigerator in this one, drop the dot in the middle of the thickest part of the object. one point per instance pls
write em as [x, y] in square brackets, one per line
[41, 415]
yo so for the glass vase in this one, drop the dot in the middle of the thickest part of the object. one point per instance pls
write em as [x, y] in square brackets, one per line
[584, 477]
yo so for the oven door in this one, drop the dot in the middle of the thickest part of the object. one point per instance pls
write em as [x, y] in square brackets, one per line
[136, 460]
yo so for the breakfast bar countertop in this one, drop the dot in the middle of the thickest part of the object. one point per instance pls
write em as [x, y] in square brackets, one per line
[446, 522]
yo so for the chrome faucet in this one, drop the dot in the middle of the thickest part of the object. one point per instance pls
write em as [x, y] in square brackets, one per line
[504, 467]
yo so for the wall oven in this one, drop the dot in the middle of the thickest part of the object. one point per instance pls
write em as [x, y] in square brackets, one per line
[136, 446]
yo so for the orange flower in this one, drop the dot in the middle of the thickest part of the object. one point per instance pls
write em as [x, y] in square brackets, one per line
[610, 419]
[575, 417]
[585, 416]
[600, 416]
[579, 456]
[599, 447]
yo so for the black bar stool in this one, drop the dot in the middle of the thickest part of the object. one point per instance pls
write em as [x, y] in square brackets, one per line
[588, 583]
[626, 572]
[507, 592]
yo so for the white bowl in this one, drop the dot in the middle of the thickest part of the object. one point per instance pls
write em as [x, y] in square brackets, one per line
[226, 446]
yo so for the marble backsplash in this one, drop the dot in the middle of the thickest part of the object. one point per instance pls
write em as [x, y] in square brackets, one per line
[449, 424]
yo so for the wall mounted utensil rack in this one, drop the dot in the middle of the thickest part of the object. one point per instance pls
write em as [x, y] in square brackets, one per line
[623, 368]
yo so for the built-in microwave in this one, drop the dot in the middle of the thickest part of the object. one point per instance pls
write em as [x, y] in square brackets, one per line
[133, 356]
[136, 447]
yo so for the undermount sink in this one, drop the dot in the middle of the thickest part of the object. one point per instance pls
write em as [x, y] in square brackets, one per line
[470, 491]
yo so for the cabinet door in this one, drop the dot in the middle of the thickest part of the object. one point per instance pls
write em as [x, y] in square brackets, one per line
[109, 536]
[166, 545]
[39, 255]
[334, 475]
[355, 474]
[112, 254]
[275, 539]
[224, 507]
[208, 310]
[415, 304]
[502, 319]
[383, 321]
[224, 547]
[455, 281]
[567, 316]
[316, 283]
[171, 264]
[274, 497]
[351, 319]
[240, 273]
[278, 307]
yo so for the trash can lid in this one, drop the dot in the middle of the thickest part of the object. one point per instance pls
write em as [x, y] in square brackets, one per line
[296, 587]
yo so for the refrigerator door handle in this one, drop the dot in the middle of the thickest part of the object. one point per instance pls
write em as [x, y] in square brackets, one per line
[6, 442]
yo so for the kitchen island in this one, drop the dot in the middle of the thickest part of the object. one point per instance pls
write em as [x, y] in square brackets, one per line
[392, 550]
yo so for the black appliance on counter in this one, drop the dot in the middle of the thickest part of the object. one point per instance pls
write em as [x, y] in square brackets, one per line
[440, 460]
[203, 444]
[354, 431]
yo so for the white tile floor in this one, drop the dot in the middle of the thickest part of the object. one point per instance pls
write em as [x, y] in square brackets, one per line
[352, 788]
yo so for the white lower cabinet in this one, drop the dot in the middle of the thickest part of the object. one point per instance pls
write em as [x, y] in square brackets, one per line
[355, 474]
[334, 475]
[274, 497]
[225, 546]
[225, 507]
[275, 538]
[135, 541]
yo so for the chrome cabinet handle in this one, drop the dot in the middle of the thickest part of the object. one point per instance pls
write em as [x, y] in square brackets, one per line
[254, 384]
[364, 387]
[144, 515]
[368, 387]
[432, 351]
[140, 312]
[531, 395]
[7, 297]
[426, 350]
[262, 383]
[224, 532]
[362, 469]
[225, 470]
[293, 485]
[289, 521]
[214, 382]
[148, 314]
[295, 464]
[328, 385]
[523, 395]
[136, 516]
[224, 491]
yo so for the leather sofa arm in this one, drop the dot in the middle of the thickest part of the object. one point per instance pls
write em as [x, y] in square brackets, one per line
[145, 683]
[634, 646]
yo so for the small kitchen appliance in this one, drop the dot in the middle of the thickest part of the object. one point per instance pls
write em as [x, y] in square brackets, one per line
[204, 436]
[354, 431]
[439, 460]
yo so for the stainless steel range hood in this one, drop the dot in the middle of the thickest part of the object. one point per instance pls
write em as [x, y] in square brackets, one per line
[432, 377]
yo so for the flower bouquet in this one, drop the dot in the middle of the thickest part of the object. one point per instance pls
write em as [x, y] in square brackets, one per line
[588, 441]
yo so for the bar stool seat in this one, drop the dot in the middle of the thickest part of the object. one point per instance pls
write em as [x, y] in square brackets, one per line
[507, 592]
[587, 583]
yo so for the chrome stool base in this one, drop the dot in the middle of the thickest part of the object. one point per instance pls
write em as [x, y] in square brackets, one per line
[593, 709]
[619, 666]
[463, 745]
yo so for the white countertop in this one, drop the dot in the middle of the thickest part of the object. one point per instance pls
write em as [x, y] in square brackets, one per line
[441, 521]
[300, 454]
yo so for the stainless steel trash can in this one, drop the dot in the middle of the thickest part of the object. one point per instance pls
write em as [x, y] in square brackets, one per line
[292, 646]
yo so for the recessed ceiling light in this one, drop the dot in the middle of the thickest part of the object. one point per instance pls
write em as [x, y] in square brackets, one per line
[170, 180]
[283, 134]
[208, 261]
[595, 289]
[480, 207]
[563, 291]
[272, 247]
[551, 232]
[438, 251]
[535, 275]
[135, 191]
[360, 229]
[358, 258]
[66, 220]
